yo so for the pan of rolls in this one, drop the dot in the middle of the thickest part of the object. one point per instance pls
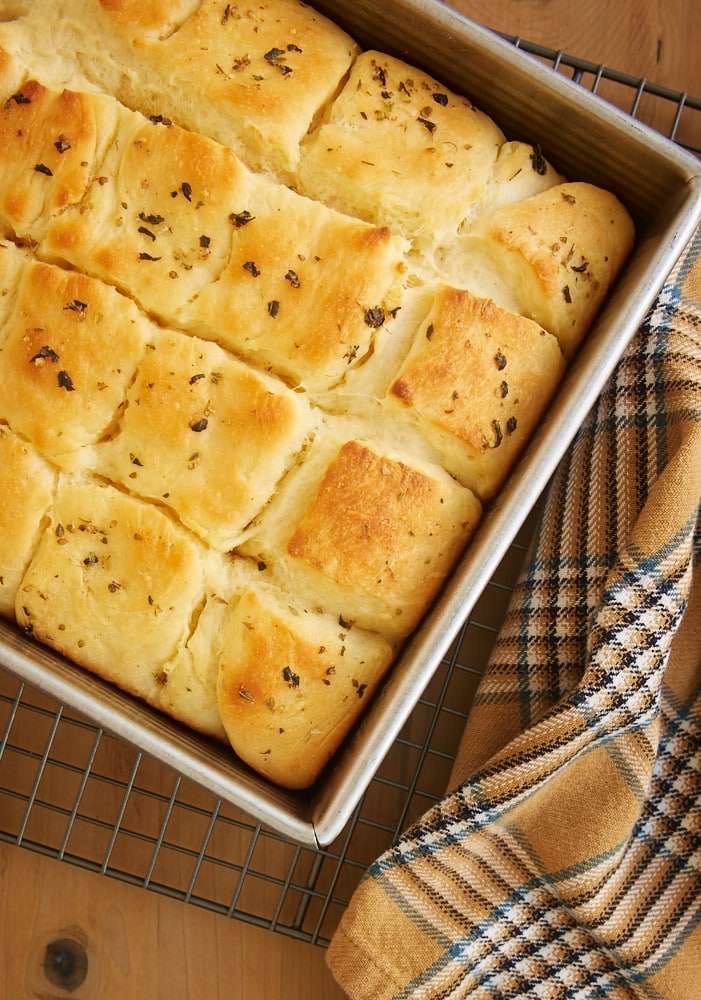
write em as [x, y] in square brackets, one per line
[299, 308]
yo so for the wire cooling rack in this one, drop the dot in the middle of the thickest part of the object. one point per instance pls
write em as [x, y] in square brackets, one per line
[71, 791]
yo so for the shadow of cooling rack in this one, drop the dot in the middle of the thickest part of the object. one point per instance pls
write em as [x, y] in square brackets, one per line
[70, 791]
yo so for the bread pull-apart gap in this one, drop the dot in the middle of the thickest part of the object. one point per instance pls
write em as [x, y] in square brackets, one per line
[13, 10]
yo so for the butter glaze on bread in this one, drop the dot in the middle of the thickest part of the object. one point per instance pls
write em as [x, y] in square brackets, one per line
[43, 170]
[276, 319]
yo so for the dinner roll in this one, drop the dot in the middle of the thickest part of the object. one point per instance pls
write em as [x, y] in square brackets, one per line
[476, 380]
[292, 682]
[26, 492]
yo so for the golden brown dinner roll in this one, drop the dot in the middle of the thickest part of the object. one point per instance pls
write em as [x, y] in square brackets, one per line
[26, 490]
[154, 219]
[383, 534]
[558, 252]
[51, 141]
[365, 533]
[476, 381]
[306, 292]
[71, 346]
[398, 148]
[204, 435]
[292, 682]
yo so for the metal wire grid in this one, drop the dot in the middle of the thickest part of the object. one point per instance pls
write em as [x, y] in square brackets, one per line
[674, 114]
[71, 791]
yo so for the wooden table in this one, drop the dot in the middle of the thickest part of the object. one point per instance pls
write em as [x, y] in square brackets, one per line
[143, 944]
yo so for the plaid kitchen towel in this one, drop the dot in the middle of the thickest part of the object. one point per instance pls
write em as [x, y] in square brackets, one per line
[565, 860]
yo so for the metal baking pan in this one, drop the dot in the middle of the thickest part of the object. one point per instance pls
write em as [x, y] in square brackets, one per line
[585, 139]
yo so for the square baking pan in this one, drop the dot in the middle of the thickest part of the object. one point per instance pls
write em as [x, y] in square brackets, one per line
[585, 139]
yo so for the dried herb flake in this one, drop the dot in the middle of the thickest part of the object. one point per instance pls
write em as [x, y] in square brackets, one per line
[375, 317]
[538, 161]
[44, 354]
[18, 98]
[290, 677]
[275, 57]
[76, 306]
[152, 220]
[240, 219]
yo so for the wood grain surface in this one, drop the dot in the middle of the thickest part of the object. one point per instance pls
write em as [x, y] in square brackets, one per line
[144, 945]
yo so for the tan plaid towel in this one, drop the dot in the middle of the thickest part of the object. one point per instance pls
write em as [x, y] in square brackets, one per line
[566, 862]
